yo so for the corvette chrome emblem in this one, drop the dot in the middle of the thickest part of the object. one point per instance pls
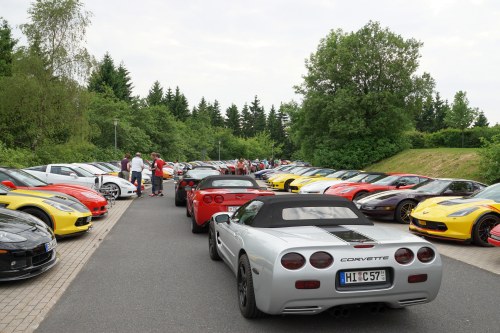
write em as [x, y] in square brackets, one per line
[425, 212]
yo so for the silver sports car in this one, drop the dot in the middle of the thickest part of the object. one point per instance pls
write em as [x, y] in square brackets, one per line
[309, 253]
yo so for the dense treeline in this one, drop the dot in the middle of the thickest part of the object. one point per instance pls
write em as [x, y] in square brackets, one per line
[362, 101]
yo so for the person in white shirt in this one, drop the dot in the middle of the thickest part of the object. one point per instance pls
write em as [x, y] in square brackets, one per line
[136, 167]
[177, 168]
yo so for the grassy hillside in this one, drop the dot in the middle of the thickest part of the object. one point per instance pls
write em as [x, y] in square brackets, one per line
[439, 162]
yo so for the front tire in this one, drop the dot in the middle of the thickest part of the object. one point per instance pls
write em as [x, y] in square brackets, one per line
[212, 245]
[39, 214]
[403, 211]
[482, 229]
[359, 195]
[114, 189]
[246, 294]
[286, 187]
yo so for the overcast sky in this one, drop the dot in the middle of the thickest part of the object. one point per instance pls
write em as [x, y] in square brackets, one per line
[232, 50]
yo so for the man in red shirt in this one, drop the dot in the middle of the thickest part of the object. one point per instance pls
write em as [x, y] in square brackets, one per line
[158, 175]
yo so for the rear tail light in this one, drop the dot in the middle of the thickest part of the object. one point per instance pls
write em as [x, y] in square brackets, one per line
[363, 246]
[207, 199]
[219, 199]
[426, 254]
[321, 260]
[404, 256]
[183, 183]
[307, 284]
[293, 261]
[191, 183]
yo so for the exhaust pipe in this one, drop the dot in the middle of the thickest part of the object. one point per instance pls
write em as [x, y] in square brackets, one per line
[377, 308]
[339, 312]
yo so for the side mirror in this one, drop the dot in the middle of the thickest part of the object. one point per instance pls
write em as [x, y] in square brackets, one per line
[222, 218]
[72, 174]
[10, 184]
[263, 188]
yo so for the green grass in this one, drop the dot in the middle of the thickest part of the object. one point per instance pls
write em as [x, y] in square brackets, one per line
[438, 162]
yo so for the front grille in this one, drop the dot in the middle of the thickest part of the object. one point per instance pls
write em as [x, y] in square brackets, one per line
[81, 221]
[41, 258]
[430, 225]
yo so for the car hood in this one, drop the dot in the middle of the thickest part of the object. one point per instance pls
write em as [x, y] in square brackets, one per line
[443, 206]
[16, 222]
[338, 235]
[380, 196]
[321, 184]
[53, 196]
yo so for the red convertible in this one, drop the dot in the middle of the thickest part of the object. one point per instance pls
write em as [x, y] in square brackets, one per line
[394, 182]
[19, 179]
[216, 194]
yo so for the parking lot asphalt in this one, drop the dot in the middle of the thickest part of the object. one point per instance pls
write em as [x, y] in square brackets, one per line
[23, 305]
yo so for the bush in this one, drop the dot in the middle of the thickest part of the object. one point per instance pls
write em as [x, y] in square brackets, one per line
[490, 160]
[452, 138]
[16, 157]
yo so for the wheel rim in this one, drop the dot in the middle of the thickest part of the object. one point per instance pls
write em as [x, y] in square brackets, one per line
[242, 286]
[485, 227]
[115, 190]
[405, 212]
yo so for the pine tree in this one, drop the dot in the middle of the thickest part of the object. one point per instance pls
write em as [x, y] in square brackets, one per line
[168, 100]
[481, 120]
[7, 44]
[440, 109]
[215, 116]
[273, 124]
[123, 84]
[247, 130]
[233, 120]
[179, 105]
[155, 95]
[103, 76]
[259, 117]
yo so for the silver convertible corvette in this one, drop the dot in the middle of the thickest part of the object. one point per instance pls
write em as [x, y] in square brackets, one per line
[309, 253]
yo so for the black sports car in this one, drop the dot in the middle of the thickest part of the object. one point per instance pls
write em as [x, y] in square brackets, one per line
[192, 178]
[397, 205]
[27, 246]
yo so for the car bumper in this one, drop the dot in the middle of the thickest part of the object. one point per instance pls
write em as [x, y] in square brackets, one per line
[494, 240]
[449, 229]
[32, 269]
[385, 214]
[72, 225]
[128, 191]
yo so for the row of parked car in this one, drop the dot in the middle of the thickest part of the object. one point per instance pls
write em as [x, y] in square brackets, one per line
[42, 203]
[446, 208]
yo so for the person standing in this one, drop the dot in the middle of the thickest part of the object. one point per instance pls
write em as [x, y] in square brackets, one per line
[158, 175]
[152, 166]
[136, 167]
[177, 169]
[125, 167]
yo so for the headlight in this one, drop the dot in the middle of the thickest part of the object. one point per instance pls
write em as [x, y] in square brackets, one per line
[58, 206]
[7, 237]
[349, 189]
[463, 212]
[125, 183]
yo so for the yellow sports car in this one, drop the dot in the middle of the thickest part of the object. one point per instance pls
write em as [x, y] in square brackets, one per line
[467, 219]
[66, 216]
[282, 181]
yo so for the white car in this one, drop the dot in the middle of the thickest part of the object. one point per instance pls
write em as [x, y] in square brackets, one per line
[120, 187]
[81, 175]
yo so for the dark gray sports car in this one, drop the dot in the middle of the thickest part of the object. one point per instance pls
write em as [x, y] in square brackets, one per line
[27, 246]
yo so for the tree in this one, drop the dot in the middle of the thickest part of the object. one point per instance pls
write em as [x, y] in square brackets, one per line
[123, 84]
[258, 115]
[461, 115]
[481, 120]
[103, 78]
[179, 105]
[440, 110]
[58, 29]
[246, 122]
[155, 95]
[216, 119]
[273, 125]
[233, 120]
[360, 94]
[7, 44]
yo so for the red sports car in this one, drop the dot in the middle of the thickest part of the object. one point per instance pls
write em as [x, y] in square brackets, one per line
[216, 194]
[19, 179]
[494, 238]
[394, 182]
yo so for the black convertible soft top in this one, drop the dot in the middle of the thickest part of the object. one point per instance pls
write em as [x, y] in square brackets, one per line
[230, 180]
[271, 214]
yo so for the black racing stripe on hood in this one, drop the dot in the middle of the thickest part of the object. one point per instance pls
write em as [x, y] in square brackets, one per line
[347, 235]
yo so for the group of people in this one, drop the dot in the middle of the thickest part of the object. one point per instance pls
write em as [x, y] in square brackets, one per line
[132, 170]
[244, 167]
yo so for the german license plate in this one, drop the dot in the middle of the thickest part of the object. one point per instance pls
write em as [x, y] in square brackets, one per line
[355, 277]
[232, 208]
[50, 245]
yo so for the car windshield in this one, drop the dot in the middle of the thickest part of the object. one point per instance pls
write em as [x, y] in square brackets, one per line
[358, 177]
[82, 172]
[317, 213]
[322, 172]
[201, 173]
[27, 178]
[310, 173]
[387, 180]
[337, 174]
[100, 167]
[433, 186]
[491, 192]
[232, 183]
